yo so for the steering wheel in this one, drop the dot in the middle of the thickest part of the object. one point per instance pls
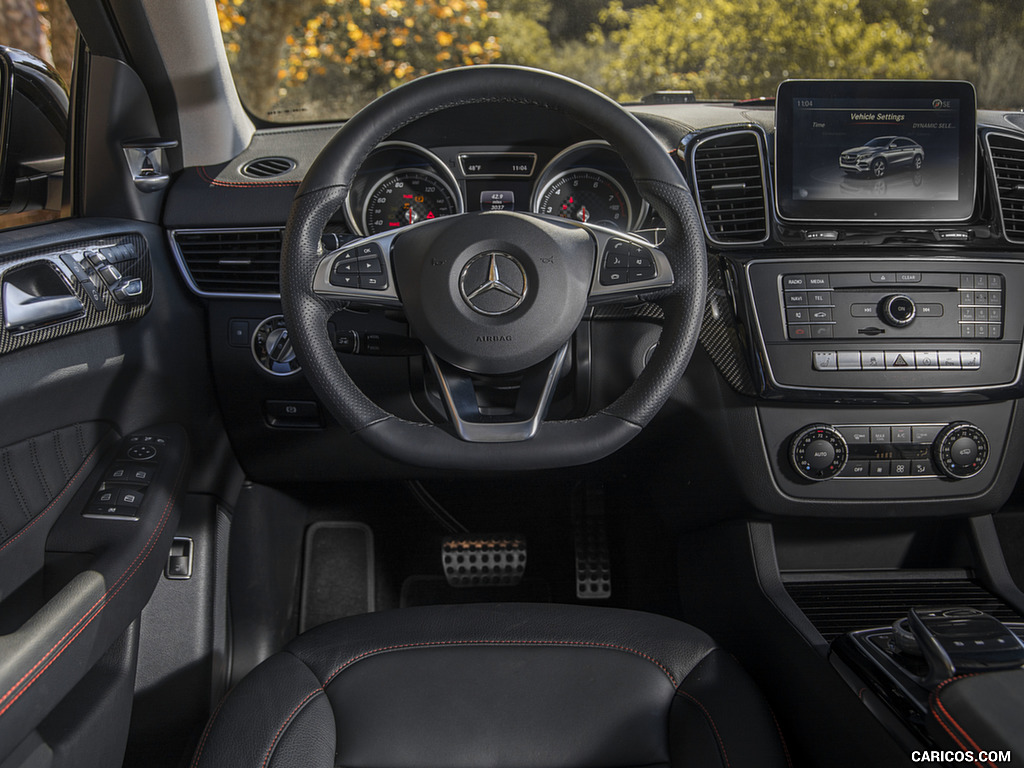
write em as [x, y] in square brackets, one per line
[497, 292]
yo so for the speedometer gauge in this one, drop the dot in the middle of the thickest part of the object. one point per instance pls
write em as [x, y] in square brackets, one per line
[405, 197]
[586, 195]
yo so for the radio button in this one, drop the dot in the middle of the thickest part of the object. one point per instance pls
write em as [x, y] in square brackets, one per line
[970, 360]
[849, 361]
[872, 360]
[929, 310]
[899, 361]
[863, 310]
[794, 282]
[883, 277]
[926, 359]
[950, 360]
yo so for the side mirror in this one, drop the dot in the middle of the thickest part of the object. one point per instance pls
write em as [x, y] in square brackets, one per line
[33, 133]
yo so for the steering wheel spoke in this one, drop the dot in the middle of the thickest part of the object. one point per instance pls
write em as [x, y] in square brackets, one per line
[476, 424]
[626, 267]
[360, 271]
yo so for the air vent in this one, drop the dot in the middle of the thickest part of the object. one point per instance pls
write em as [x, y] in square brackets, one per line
[729, 176]
[267, 167]
[1007, 155]
[838, 607]
[231, 262]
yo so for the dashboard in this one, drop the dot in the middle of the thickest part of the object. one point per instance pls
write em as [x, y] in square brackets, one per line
[852, 364]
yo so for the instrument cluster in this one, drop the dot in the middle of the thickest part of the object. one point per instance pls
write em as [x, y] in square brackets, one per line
[402, 183]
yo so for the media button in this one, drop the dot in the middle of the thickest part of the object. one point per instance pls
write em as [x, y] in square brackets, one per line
[817, 281]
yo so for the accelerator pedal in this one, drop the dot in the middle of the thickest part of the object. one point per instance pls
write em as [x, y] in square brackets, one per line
[483, 561]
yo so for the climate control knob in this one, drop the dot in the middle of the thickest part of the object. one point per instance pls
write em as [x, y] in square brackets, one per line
[961, 450]
[818, 452]
[897, 310]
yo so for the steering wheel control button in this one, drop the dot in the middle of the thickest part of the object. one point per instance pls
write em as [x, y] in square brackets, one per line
[961, 450]
[626, 262]
[897, 310]
[818, 452]
[373, 282]
[493, 283]
[141, 452]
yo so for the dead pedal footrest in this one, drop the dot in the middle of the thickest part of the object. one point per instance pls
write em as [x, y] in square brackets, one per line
[483, 561]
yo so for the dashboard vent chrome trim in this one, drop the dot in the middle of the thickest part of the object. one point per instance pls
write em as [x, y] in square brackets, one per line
[267, 167]
[233, 263]
[729, 182]
[1006, 153]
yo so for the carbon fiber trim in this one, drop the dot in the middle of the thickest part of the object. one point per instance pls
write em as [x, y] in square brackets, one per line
[719, 335]
[112, 313]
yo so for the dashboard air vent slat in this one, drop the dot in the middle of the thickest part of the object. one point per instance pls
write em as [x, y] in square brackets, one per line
[232, 261]
[729, 178]
[267, 167]
[1007, 155]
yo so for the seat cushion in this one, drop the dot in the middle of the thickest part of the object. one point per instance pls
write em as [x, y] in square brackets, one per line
[532, 686]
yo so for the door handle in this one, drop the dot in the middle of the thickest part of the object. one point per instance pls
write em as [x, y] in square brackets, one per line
[24, 311]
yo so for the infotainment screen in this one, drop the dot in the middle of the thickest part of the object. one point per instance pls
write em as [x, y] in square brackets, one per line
[895, 151]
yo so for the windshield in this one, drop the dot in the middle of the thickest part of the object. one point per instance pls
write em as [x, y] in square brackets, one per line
[882, 141]
[312, 60]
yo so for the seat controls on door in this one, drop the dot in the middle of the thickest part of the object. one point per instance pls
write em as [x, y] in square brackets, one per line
[961, 450]
[818, 452]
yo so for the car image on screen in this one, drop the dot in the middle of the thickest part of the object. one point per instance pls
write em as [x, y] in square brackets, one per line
[882, 154]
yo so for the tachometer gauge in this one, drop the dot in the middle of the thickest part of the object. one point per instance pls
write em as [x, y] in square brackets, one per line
[586, 195]
[405, 197]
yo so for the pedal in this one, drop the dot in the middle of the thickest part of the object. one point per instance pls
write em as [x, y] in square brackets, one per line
[590, 534]
[483, 561]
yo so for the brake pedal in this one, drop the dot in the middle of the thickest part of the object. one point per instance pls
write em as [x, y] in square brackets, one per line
[590, 534]
[483, 561]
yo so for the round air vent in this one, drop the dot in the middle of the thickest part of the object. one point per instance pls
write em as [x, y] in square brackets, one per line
[267, 167]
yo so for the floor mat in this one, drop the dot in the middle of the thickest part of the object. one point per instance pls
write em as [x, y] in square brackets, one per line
[434, 590]
[338, 573]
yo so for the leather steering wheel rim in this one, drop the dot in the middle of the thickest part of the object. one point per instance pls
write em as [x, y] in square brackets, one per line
[557, 443]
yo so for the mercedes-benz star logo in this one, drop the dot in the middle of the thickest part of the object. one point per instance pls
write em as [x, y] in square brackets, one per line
[493, 283]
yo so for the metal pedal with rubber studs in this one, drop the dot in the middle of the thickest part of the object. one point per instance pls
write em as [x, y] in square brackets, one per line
[483, 561]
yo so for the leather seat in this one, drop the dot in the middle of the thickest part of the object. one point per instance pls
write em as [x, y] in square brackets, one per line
[529, 686]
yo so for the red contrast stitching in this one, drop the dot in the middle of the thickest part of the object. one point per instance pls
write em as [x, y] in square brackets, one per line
[52, 504]
[284, 725]
[437, 643]
[206, 731]
[938, 702]
[785, 747]
[201, 170]
[711, 720]
[105, 599]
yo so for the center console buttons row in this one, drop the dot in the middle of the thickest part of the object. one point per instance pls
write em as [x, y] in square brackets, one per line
[870, 360]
